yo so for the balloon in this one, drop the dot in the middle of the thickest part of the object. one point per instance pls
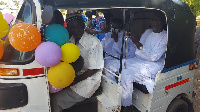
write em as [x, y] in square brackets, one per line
[53, 89]
[48, 54]
[1, 50]
[56, 33]
[4, 38]
[1, 41]
[78, 64]
[47, 14]
[9, 18]
[61, 75]
[4, 28]
[1, 16]
[24, 37]
[70, 52]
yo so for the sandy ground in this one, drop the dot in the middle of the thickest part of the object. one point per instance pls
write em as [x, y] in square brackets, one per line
[196, 100]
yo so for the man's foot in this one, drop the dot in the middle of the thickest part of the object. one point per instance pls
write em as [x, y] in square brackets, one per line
[127, 108]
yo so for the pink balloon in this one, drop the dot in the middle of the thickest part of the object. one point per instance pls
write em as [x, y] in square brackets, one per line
[9, 18]
[53, 89]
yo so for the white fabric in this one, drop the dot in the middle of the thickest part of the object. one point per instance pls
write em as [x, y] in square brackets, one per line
[114, 48]
[144, 66]
[92, 52]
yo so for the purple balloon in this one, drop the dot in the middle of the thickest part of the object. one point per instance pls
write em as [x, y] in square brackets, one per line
[48, 54]
[4, 38]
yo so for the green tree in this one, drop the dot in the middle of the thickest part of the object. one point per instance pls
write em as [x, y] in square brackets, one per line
[2, 3]
[194, 6]
[16, 3]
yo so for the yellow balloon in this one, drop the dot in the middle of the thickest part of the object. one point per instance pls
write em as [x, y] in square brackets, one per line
[70, 52]
[1, 16]
[4, 28]
[1, 41]
[61, 75]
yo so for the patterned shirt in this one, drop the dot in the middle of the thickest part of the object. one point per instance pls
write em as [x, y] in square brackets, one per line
[96, 22]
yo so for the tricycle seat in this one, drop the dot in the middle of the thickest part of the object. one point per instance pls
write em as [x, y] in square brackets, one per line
[141, 87]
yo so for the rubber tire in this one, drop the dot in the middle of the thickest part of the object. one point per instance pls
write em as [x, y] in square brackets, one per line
[178, 105]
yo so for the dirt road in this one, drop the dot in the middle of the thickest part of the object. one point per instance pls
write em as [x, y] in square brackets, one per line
[196, 100]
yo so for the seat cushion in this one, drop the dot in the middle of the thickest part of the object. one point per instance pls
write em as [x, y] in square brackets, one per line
[140, 87]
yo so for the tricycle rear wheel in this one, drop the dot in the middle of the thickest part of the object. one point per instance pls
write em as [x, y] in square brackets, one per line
[178, 105]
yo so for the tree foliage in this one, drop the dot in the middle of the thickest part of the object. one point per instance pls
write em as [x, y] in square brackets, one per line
[16, 3]
[194, 6]
[2, 3]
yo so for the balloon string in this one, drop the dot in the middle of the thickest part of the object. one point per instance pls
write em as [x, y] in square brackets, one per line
[10, 23]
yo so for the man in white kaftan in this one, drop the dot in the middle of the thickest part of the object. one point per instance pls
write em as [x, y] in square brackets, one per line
[91, 51]
[89, 78]
[145, 65]
[112, 46]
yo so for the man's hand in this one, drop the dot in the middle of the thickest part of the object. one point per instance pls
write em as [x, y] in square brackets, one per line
[85, 75]
[135, 41]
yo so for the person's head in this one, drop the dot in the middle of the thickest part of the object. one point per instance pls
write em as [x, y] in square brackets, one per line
[71, 11]
[97, 13]
[102, 25]
[80, 11]
[88, 14]
[158, 23]
[75, 24]
[58, 17]
[116, 23]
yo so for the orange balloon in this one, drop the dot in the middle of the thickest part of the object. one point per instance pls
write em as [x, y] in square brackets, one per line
[24, 37]
[1, 50]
